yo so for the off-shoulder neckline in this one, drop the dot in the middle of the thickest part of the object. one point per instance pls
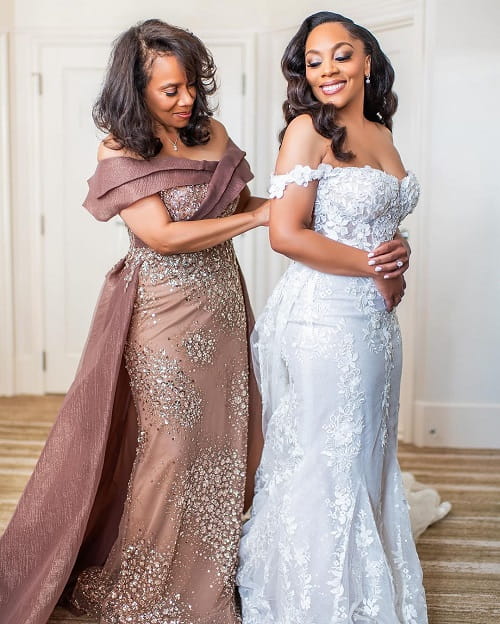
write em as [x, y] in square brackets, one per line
[390, 175]
[350, 167]
[158, 158]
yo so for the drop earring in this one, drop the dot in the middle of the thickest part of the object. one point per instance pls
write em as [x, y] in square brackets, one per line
[367, 79]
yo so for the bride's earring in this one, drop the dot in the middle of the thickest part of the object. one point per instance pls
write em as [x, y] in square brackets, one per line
[367, 79]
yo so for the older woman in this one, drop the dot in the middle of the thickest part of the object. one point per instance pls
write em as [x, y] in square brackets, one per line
[136, 501]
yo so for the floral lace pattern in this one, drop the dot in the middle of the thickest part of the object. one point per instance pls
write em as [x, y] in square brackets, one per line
[358, 206]
[329, 539]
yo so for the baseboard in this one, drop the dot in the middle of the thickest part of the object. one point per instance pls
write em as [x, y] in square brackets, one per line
[459, 425]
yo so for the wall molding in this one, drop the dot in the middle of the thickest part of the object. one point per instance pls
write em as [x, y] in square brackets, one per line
[458, 425]
[388, 14]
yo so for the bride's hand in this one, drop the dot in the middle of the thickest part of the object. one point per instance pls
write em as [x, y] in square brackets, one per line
[390, 259]
[392, 290]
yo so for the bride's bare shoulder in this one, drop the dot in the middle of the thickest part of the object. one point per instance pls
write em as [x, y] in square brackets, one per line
[302, 145]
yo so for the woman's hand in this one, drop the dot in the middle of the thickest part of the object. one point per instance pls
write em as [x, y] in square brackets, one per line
[261, 213]
[392, 290]
[391, 259]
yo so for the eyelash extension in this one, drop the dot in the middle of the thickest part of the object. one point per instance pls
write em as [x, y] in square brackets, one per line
[338, 59]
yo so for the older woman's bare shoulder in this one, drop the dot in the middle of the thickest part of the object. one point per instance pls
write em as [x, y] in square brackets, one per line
[218, 137]
[110, 148]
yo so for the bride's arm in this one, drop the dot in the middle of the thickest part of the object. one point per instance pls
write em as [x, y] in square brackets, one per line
[290, 219]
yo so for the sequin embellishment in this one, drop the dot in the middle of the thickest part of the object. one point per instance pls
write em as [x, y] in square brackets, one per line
[211, 495]
[163, 386]
[200, 346]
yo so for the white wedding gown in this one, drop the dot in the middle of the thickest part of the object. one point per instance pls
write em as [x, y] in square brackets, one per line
[329, 539]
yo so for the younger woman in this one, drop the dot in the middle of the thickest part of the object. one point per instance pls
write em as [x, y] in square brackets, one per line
[329, 540]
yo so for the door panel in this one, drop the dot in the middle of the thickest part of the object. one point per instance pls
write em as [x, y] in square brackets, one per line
[77, 249]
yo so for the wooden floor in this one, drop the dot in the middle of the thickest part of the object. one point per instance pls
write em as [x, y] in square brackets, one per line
[460, 555]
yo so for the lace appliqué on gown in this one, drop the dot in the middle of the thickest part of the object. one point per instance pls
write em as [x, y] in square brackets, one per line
[329, 540]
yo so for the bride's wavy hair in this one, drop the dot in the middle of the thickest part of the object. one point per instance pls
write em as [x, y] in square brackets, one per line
[380, 102]
[121, 109]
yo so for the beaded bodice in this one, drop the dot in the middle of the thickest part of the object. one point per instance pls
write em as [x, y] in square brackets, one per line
[358, 206]
[183, 201]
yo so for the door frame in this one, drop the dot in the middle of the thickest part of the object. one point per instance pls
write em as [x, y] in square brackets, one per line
[411, 14]
[6, 285]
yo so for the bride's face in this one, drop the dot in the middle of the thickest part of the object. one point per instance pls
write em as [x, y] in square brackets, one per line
[336, 65]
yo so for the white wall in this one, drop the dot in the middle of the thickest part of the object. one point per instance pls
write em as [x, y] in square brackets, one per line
[457, 392]
[6, 14]
[115, 16]
[458, 383]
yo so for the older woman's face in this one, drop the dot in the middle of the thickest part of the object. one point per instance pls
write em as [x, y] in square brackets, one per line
[336, 65]
[168, 95]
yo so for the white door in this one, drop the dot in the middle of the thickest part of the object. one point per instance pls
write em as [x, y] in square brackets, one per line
[234, 109]
[78, 250]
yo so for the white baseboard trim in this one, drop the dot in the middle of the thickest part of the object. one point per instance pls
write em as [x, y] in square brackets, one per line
[459, 425]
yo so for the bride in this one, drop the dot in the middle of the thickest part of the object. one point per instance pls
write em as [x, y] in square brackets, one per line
[329, 539]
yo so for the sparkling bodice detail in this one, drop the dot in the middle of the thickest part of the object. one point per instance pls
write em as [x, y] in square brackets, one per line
[183, 201]
[359, 206]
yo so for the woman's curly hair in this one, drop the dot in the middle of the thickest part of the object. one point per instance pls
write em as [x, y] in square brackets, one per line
[380, 101]
[121, 110]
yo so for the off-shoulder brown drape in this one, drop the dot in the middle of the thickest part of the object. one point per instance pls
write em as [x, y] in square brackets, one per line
[153, 427]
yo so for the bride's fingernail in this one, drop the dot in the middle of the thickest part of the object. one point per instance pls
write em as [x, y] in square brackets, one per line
[378, 269]
[371, 254]
[371, 262]
[386, 276]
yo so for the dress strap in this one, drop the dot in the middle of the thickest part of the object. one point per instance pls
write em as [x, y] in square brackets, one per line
[300, 174]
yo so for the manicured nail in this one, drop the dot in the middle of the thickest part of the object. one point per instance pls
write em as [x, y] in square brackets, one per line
[386, 276]
[371, 254]
[371, 262]
[378, 269]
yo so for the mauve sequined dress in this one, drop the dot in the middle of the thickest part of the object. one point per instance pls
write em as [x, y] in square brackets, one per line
[186, 356]
[157, 531]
